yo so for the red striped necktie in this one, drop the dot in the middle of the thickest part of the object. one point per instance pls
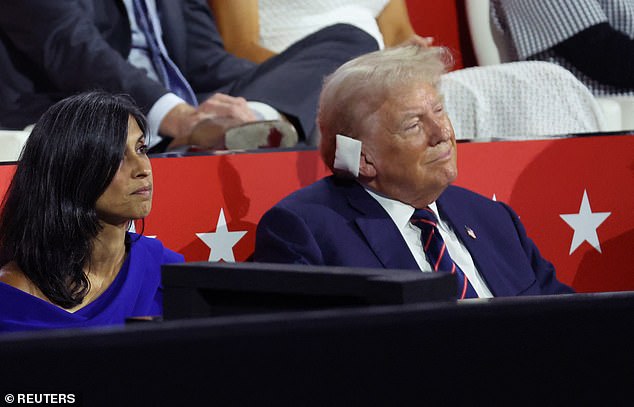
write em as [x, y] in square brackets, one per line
[436, 250]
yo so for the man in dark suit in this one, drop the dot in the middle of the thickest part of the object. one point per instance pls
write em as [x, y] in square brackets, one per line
[51, 49]
[391, 146]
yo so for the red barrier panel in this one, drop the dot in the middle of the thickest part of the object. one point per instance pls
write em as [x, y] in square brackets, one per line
[575, 196]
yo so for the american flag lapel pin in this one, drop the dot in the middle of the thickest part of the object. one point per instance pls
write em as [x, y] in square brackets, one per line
[470, 232]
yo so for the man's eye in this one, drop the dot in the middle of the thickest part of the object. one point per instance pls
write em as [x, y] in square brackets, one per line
[412, 126]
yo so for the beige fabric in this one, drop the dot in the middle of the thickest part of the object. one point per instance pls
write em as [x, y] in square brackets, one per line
[519, 100]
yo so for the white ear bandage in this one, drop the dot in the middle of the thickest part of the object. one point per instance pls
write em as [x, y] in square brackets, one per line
[347, 155]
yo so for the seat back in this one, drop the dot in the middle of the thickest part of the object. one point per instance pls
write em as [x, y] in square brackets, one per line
[489, 45]
[11, 143]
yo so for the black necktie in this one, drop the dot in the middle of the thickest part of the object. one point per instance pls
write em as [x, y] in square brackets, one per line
[436, 250]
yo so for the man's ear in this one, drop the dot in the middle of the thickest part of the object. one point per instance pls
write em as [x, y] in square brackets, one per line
[366, 164]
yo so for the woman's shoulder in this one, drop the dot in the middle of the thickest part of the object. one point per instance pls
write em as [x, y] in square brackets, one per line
[154, 248]
[22, 305]
[12, 275]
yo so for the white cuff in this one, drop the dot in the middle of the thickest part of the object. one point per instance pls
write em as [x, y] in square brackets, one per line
[156, 114]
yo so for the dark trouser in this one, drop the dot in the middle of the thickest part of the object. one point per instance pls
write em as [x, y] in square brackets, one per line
[291, 81]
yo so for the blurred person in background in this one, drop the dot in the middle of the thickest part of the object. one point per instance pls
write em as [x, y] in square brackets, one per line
[593, 39]
[169, 56]
[260, 29]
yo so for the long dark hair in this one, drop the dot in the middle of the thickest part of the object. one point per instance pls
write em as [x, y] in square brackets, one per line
[48, 221]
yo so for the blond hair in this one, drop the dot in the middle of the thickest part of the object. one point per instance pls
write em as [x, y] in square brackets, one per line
[361, 85]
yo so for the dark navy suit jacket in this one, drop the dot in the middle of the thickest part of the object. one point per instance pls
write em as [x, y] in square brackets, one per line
[336, 222]
[52, 49]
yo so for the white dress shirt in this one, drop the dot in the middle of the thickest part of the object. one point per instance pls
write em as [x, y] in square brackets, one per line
[401, 214]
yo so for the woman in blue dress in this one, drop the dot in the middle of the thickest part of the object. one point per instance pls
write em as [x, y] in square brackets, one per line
[66, 256]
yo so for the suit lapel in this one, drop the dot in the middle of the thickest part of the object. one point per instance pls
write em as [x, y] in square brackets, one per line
[173, 27]
[482, 252]
[379, 230]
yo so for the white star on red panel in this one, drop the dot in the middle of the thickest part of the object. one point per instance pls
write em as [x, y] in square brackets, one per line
[585, 224]
[221, 241]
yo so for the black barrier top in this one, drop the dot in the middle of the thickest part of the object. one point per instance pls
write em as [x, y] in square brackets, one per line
[199, 289]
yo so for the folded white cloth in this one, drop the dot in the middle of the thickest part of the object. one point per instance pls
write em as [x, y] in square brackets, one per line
[519, 100]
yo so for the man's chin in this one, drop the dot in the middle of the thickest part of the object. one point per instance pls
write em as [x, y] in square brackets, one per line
[449, 173]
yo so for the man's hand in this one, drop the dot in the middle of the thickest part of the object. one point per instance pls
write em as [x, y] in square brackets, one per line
[210, 132]
[179, 122]
[221, 105]
[206, 126]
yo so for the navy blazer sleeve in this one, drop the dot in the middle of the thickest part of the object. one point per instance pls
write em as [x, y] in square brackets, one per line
[65, 40]
[191, 36]
[543, 269]
[284, 237]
